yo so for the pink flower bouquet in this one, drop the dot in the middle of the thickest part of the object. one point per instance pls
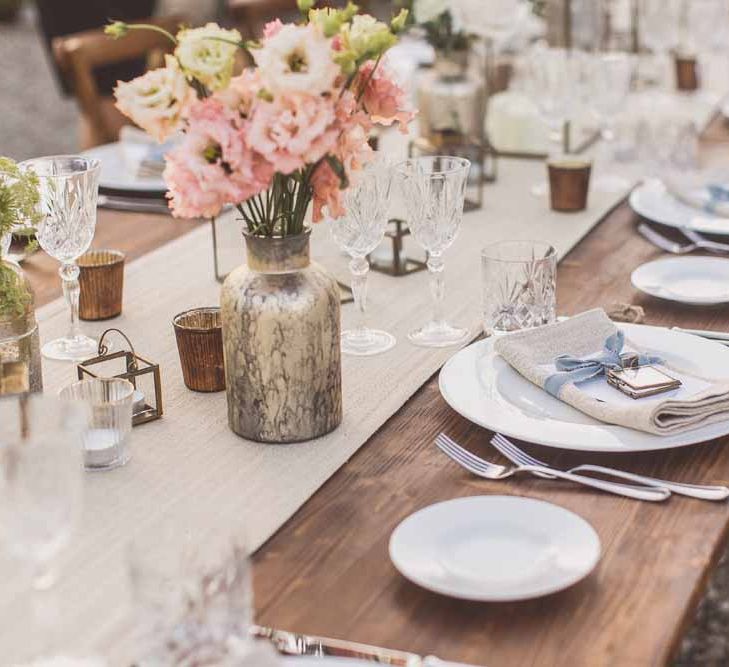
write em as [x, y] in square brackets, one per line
[289, 131]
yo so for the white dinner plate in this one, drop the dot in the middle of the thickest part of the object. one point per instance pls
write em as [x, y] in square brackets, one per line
[117, 176]
[652, 201]
[477, 383]
[698, 281]
[494, 548]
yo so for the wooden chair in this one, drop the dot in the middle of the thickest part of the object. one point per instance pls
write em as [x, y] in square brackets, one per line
[78, 54]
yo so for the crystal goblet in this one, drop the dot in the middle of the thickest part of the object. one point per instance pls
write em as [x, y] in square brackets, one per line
[434, 189]
[358, 232]
[69, 187]
[40, 479]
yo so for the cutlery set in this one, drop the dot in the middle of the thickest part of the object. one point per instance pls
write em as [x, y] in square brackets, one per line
[642, 487]
[695, 241]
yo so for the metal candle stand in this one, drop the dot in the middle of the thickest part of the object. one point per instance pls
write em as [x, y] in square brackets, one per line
[136, 368]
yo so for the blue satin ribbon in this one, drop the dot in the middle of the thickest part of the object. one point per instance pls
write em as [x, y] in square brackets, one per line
[718, 194]
[573, 369]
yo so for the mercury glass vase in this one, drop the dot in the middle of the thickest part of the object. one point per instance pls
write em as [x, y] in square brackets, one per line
[281, 343]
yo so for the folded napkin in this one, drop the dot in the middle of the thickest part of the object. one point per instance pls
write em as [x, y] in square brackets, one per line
[590, 337]
[706, 191]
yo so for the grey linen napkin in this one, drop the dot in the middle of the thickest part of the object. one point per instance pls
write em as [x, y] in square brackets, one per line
[532, 353]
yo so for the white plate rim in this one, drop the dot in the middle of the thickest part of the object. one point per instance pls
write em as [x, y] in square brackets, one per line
[503, 597]
[667, 295]
[102, 152]
[537, 437]
[637, 204]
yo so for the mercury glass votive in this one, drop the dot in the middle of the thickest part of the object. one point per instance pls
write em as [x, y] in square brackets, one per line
[687, 73]
[101, 280]
[569, 183]
[105, 444]
[199, 336]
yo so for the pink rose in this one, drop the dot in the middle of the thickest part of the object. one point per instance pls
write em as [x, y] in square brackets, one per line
[213, 166]
[382, 98]
[293, 130]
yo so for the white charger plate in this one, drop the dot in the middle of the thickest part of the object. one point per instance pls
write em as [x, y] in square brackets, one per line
[494, 548]
[698, 281]
[115, 174]
[478, 384]
[652, 201]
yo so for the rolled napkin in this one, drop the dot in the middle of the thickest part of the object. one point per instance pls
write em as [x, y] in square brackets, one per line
[568, 359]
[708, 192]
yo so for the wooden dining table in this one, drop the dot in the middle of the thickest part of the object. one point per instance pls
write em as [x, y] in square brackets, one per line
[327, 570]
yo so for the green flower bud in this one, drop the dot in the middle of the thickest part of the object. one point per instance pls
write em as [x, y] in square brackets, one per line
[305, 5]
[117, 29]
[397, 25]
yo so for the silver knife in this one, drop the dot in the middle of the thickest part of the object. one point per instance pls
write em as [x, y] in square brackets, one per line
[136, 205]
[292, 643]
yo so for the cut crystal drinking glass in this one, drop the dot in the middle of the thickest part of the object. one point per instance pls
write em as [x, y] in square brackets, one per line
[191, 583]
[40, 479]
[358, 232]
[69, 187]
[519, 285]
[434, 189]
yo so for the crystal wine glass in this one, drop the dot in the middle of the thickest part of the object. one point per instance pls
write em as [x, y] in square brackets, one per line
[358, 232]
[191, 586]
[40, 479]
[659, 32]
[553, 82]
[611, 76]
[434, 190]
[69, 187]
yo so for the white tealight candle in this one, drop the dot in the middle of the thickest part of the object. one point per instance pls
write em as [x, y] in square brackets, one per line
[101, 447]
[138, 402]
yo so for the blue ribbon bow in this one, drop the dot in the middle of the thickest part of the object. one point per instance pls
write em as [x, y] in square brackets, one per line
[718, 194]
[573, 369]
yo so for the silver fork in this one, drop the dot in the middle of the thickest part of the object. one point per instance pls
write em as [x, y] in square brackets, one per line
[702, 242]
[674, 247]
[702, 492]
[487, 470]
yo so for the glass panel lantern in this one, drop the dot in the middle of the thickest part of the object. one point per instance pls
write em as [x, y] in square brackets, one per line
[127, 364]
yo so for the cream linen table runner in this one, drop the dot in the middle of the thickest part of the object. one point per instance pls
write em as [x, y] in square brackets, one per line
[532, 353]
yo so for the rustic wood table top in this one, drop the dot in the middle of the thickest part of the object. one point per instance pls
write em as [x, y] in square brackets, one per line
[327, 571]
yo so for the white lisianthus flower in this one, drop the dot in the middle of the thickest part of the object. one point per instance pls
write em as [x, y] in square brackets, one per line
[208, 54]
[297, 59]
[156, 101]
[425, 11]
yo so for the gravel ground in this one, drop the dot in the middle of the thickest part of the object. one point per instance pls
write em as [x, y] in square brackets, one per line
[36, 120]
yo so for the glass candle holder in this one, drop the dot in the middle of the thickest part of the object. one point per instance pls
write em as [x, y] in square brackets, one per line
[687, 72]
[569, 183]
[110, 399]
[199, 336]
[101, 280]
[519, 285]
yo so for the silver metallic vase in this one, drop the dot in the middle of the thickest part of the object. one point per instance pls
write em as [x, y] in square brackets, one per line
[281, 341]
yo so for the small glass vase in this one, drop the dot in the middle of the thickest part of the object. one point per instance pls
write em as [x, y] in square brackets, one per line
[281, 343]
[20, 358]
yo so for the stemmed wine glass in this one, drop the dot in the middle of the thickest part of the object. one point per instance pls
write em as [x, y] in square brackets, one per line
[659, 31]
[434, 189]
[610, 82]
[40, 479]
[554, 83]
[358, 233]
[69, 187]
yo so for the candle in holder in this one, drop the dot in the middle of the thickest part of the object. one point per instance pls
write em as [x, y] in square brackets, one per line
[687, 72]
[199, 336]
[110, 400]
[569, 182]
[101, 281]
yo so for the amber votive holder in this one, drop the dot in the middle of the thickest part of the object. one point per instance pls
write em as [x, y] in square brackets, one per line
[687, 73]
[199, 334]
[569, 183]
[101, 281]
